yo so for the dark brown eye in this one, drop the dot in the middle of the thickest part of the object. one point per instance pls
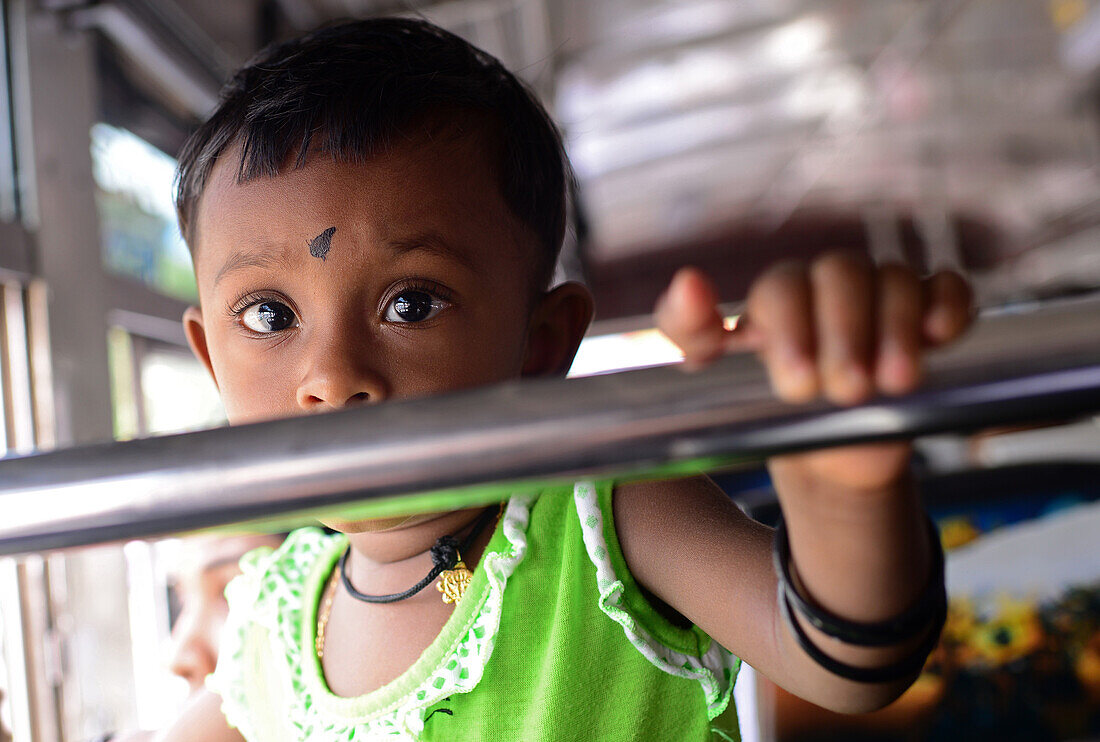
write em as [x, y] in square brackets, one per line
[412, 306]
[267, 317]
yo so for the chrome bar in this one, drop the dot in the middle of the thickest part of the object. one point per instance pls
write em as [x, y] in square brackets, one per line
[1028, 366]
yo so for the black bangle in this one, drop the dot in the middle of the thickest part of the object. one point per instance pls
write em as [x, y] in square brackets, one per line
[928, 613]
[904, 669]
[931, 603]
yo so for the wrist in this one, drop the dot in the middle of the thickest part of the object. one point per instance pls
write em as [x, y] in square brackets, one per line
[914, 630]
[818, 513]
[863, 563]
[852, 476]
[896, 628]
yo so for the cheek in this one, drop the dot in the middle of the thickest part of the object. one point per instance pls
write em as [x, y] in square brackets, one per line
[492, 348]
[475, 355]
[253, 386]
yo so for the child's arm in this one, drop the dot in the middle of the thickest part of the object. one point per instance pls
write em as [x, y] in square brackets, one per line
[201, 721]
[859, 543]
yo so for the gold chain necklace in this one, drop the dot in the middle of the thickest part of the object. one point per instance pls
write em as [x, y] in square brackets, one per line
[322, 619]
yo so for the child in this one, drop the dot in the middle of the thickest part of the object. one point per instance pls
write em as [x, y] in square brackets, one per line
[374, 212]
[206, 566]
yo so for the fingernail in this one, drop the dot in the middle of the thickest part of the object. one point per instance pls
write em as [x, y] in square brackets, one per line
[853, 385]
[896, 373]
[938, 324]
[796, 381]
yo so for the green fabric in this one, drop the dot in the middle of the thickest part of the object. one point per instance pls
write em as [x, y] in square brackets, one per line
[459, 498]
[536, 650]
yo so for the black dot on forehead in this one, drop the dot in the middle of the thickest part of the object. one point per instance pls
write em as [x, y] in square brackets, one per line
[319, 245]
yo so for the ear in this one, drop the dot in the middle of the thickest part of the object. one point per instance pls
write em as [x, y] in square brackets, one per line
[557, 326]
[196, 338]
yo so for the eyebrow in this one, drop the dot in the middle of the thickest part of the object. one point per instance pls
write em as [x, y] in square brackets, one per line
[427, 242]
[255, 259]
[434, 244]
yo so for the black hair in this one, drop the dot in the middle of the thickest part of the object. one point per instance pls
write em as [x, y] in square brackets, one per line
[347, 90]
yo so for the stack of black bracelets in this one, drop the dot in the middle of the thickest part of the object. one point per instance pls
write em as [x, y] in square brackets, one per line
[927, 614]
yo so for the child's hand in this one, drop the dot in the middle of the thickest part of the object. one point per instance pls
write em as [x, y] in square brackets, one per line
[838, 327]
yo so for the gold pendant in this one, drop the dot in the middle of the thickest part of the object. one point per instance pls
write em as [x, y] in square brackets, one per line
[453, 582]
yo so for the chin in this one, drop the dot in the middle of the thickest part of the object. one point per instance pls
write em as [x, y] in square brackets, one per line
[377, 525]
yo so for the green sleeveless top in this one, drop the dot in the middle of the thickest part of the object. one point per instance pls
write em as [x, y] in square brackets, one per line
[553, 640]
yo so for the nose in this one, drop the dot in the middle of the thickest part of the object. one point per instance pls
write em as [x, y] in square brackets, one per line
[339, 376]
[193, 658]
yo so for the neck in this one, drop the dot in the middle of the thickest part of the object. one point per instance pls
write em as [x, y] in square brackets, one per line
[384, 562]
[411, 540]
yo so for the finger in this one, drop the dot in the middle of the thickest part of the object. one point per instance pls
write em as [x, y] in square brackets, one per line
[900, 312]
[780, 304]
[745, 335]
[949, 307]
[688, 314]
[843, 290]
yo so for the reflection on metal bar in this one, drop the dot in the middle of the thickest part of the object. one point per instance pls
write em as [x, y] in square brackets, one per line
[1012, 368]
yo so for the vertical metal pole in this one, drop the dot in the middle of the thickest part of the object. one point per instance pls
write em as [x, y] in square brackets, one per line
[139, 346]
[17, 371]
[936, 227]
[60, 93]
[883, 237]
[22, 125]
[38, 341]
[22, 598]
[30, 642]
[38, 657]
[6, 421]
[9, 191]
[66, 384]
[17, 683]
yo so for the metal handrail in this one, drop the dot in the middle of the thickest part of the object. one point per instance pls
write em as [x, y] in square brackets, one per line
[1036, 365]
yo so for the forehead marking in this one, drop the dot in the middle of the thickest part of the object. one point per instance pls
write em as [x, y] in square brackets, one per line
[319, 245]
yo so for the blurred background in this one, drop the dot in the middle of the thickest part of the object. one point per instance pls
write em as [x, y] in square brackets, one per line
[725, 134]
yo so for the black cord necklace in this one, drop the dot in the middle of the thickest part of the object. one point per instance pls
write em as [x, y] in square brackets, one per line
[446, 557]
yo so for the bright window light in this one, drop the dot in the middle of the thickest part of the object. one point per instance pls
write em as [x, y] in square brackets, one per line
[137, 215]
[622, 351]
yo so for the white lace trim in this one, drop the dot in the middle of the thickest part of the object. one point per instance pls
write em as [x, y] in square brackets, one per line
[461, 669]
[276, 607]
[242, 592]
[715, 671]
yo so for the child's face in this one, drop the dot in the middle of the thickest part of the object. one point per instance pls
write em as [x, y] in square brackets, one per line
[207, 566]
[426, 285]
